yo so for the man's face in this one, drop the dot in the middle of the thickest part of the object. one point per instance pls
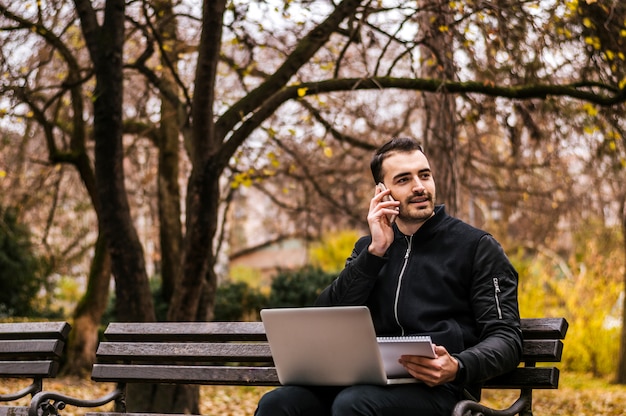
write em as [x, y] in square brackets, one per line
[410, 180]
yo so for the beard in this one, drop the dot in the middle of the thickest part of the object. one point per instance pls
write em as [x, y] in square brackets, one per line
[418, 208]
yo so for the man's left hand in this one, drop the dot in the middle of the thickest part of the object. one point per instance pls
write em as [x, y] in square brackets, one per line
[432, 371]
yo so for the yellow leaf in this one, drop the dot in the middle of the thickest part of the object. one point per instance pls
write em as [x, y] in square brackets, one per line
[622, 84]
[610, 55]
[328, 152]
[572, 5]
[3, 174]
[590, 109]
[302, 91]
[444, 28]
[589, 130]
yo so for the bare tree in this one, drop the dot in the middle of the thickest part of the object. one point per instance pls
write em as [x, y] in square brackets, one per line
[472, 56]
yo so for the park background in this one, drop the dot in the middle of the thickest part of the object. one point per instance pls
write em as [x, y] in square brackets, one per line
[167, 160]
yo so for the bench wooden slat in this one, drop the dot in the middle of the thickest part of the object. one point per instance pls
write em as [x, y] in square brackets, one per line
[197, 352]
[544, 328]
[29, 369]
[532, 328]
[210, 375]
[186, 331]
[34, 330]
[13, 410]
[548, 351]
[534, 350]
[527, 377]
[33, 348]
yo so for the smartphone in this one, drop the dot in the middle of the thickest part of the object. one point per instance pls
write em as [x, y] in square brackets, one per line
[381, 187]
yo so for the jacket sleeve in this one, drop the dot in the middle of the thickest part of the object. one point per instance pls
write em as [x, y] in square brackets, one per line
[356, 280]
[496, 310]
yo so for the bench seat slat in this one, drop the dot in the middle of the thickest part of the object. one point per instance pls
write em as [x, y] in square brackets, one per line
[544, 328]
[169, 351]
[34, 330]
[527, 377]
[534, 350]
[31, 369]
[210, 375]
[532, 328]
[13, 410]
[548, 351]
[33, 348]
[185, 331]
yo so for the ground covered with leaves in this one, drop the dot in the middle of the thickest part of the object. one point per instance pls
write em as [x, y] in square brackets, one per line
[578, 395]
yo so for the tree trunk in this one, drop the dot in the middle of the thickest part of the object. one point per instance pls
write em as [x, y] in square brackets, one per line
[203, 191]
[83, 341]
[169, 157]
[621, 368]
[105, 44]
[440, 133]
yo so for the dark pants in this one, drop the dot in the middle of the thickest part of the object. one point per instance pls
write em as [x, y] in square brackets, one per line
[362, 400]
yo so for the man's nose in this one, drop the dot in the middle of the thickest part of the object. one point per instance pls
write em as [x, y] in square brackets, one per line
[418, 186]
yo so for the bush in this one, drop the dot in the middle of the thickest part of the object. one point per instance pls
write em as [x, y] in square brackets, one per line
[331, 252]
[299, 287]
[20, 268]
[585, 289]
[236, 301]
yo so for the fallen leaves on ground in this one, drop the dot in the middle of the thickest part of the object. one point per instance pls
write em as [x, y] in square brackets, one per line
[578, 395]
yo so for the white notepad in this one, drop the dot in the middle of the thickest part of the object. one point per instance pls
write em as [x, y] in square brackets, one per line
[331, 346]
[391, 348]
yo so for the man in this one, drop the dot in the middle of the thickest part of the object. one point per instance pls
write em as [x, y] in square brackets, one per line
[420, 271]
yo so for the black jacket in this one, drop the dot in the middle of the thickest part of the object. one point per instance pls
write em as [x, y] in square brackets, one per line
[450, 281]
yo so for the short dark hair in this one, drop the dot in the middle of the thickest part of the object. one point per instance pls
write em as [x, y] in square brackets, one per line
[397, 144]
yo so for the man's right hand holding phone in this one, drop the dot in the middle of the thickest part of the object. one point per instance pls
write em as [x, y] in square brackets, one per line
[382, 213]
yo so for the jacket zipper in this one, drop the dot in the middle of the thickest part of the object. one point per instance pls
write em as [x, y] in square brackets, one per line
[400, 277]
[496, 285]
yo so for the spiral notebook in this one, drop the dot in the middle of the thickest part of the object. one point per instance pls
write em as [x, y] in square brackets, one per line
[336, 346]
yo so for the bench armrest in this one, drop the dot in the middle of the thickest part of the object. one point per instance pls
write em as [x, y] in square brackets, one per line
[470, 407]
[47, 403]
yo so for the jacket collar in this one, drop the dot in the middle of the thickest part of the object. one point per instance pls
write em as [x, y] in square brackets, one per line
[428, 227]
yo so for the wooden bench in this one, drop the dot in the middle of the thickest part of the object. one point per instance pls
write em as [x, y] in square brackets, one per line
[29, 350]
[237, 353]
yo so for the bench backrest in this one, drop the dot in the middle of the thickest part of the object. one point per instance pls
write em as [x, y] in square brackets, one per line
[186, 352]
[31, 350]
[542, 344]
[237, 353]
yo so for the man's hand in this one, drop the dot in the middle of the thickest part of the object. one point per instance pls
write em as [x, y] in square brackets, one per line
[432, 371]
[379, 224]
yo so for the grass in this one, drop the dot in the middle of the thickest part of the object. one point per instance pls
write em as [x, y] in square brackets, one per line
[578, 394]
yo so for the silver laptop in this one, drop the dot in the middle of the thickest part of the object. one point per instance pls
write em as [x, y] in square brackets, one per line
[330, 346]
